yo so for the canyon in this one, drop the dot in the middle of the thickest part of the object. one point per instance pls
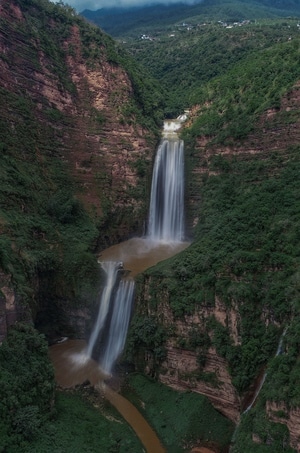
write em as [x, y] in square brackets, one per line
[91, 118]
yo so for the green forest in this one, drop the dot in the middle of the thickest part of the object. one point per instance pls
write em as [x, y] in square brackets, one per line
[130, 21]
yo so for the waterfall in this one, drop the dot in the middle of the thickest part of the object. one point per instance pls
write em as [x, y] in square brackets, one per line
[119, 324]
[278, 352]
[166, 213]
[166, 224]
[113, 316]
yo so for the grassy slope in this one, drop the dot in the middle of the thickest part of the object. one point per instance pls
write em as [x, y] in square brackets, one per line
[79, 427]
[199, 422]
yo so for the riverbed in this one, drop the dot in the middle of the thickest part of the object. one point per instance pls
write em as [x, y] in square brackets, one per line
[74, 367]
[71, 371]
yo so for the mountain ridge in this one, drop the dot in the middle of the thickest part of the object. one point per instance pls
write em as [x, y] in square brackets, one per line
[120, 22]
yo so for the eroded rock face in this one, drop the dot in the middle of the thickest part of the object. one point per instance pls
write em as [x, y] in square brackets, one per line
[98, 140]
[181, 371]
[66, 80]
[103, 157]
[279, 413]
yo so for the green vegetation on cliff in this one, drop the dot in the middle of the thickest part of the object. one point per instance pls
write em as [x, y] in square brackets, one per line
[45, 230]
[33, 418]
[182, 419]
[234, 102]
[47, 233]
[243, 163]
[269, 437]
[26, 387]
[184, 59]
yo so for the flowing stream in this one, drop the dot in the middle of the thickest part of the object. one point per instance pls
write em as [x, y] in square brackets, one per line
[258, 388]
[263, 378]
[74, 360]
[69, 373]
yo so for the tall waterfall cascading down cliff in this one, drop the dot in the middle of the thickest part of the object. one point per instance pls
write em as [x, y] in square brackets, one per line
[115, 303]
[166, 214]
[166, 225]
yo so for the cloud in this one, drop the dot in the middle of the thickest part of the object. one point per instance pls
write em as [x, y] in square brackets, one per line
[93, 5]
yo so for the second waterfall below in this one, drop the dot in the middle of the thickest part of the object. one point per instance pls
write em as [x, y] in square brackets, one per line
[111, 325]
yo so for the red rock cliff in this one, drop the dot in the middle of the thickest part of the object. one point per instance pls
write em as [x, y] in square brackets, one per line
[87, 115]
[72, 78]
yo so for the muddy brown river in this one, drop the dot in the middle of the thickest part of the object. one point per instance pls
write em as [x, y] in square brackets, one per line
[73, 368]
[70, 371]
[138, 254]
[71, 365]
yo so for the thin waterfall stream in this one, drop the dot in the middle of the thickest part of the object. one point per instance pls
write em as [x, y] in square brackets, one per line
[111, 270]
[258, 388]
[75, 362]
[263, 378]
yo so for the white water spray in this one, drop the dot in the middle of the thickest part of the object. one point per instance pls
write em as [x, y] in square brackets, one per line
[119, 325]
[113, 316]
[166, 216]
[166, 224]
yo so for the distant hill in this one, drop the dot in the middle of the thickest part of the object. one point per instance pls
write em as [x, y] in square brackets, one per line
[120, 22]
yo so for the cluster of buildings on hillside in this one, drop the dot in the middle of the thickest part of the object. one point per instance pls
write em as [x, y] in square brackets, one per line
[234, 24]
[189, 27]
[146, 38]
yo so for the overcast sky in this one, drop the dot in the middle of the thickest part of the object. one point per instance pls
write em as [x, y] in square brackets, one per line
[93, 5]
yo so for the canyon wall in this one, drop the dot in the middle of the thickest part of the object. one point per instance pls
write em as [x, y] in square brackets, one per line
[180, 367]
[87, 101]
[184, 362]
[279, 413]
[77, 142]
